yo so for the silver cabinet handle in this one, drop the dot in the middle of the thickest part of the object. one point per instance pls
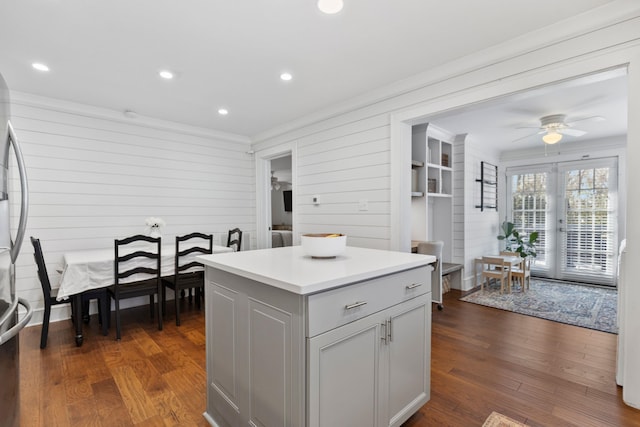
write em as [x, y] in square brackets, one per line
[389, 331]
[413, 285]
[354, 305]
[383, 336]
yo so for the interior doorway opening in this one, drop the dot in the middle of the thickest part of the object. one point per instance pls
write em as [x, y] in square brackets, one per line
[281, 192]
[275, 177]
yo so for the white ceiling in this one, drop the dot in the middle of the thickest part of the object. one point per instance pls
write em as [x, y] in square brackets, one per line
[230, 53]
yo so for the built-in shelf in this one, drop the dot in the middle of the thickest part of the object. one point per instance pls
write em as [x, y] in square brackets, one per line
[432, 191]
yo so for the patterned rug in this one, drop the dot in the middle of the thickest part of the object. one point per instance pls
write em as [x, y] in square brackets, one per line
[498, 420]
[581, 305]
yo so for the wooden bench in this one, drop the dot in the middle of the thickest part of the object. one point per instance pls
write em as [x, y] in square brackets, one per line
[454, 273]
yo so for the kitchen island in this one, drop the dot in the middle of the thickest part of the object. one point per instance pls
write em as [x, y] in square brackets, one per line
[296, 341]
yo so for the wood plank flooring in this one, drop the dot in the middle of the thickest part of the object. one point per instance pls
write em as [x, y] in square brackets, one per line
[535, 371]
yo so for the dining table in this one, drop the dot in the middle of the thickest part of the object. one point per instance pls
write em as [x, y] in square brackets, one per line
[86, 270]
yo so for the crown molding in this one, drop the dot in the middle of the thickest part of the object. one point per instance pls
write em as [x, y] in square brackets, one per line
[37, 101]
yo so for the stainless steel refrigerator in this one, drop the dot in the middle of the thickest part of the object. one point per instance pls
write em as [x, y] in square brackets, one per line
[12, 320]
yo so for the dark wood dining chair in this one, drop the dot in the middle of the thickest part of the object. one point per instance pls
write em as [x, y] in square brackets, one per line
[234, 239]
[137, 255]
[183, 278]
[50, 296]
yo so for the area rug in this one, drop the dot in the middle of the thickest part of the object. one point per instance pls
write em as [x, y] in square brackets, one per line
[499, 420]
[581, 305]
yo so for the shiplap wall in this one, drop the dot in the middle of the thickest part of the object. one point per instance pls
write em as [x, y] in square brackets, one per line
[96, 176]
[459, 172]
[344, 166]
[480, 227]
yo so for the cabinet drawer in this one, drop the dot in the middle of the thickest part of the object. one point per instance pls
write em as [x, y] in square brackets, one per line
[330, 309]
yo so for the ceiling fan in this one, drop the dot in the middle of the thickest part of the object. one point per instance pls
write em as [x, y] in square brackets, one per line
[275, 184]
[554, 126]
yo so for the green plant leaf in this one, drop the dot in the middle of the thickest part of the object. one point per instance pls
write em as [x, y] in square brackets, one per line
[516, 243]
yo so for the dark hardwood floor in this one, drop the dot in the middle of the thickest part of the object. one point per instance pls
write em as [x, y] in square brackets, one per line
[536, 371]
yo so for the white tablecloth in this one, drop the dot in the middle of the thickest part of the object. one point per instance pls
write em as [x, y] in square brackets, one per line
[93, 269]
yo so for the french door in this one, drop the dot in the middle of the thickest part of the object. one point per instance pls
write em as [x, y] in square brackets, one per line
[574, 208]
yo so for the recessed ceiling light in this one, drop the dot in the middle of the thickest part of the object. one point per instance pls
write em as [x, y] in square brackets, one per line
[39, 66]
[165, 74]
[286, 76]
[330, 6]
[223, 111]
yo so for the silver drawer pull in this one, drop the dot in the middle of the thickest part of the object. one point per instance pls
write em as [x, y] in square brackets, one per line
[355, 305]
[413, 285]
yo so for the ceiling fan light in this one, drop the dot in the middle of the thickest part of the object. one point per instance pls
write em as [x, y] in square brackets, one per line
[552, 137]
[330, 6]
[275, 184]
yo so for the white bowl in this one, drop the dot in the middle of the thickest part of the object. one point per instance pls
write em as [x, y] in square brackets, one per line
[324, 245]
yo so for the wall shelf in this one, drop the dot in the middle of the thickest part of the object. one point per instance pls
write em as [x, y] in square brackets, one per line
[488, 186]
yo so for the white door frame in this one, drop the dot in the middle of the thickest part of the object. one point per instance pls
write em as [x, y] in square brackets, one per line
[263, 191]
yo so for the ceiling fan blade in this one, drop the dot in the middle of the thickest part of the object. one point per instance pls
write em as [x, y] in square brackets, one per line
[526, 136]
[587, 119]
[571, 132]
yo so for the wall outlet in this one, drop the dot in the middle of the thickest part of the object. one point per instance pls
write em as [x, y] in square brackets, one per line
[363, 205]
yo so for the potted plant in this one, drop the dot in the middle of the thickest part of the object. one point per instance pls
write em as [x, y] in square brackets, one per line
[515, 241]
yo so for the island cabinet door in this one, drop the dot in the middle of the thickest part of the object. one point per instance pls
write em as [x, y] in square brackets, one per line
[344, 381]
[373, 371]
[408, 355]
[224, 376]
[255, 355]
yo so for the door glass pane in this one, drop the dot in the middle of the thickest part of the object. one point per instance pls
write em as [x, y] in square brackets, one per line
[573, 180]
[589, 245]
[602, 178]
[529, 209]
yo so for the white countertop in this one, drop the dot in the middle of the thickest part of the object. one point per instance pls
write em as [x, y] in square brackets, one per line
[289, 269]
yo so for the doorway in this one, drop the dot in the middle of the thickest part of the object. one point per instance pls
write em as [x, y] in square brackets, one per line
[281, 224]
[275, 174]
[574, 208]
